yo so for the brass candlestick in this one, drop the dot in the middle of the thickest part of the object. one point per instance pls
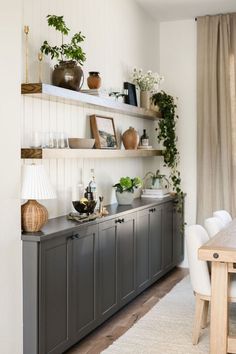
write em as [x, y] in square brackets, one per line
[26, 31]
[40, 59]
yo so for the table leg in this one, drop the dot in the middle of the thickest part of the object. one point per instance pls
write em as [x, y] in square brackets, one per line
[219, 308]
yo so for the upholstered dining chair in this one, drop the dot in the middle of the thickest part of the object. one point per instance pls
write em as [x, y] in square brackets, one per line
[196, 236]
[213, 225]
[223, 215]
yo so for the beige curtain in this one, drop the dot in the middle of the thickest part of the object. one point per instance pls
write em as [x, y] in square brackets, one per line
[216, 118]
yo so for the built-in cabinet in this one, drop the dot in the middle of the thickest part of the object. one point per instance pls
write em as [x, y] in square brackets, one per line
[77, 277]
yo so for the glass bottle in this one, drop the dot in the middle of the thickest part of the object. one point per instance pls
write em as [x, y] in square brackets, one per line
[144, 140]
[93, 185]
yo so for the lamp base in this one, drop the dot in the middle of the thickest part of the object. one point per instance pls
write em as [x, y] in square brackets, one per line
[33, 216]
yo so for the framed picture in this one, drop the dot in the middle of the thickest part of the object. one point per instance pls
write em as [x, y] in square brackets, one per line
[103, 131]
[130, 94]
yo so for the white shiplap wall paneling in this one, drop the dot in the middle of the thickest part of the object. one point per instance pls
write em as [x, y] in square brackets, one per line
[115, 43]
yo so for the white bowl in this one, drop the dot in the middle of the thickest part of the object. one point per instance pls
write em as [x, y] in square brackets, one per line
[81, 143]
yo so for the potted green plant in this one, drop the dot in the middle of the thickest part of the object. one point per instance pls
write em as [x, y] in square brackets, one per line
[157, 180]
[67, 73]
[125, 189]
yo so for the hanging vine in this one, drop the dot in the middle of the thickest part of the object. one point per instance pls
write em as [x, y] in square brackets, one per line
[167, 136]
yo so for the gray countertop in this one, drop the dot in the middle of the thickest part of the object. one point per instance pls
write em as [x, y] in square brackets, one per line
[61, 225]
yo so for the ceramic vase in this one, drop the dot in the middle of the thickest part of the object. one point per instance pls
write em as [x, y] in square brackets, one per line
[94, 80]
[130, 139]
[145, 99]
[125, 198]
[68, 74]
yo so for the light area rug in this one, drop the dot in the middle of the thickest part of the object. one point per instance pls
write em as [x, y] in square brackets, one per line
[167, 327]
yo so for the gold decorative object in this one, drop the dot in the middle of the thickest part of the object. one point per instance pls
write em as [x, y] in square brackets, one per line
[104, 211]
[40, 59]
[101, 198]
[26, 31]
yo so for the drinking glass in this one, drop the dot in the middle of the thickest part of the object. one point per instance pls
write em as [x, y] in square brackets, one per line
[36, 140]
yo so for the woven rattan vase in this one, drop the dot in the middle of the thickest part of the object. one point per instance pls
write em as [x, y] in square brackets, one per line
[34, 216]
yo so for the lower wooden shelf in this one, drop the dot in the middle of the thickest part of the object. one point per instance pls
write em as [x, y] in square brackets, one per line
[85, 153]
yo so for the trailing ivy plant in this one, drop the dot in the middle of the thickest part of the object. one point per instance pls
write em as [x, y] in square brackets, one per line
[167, 136]
[69, 51]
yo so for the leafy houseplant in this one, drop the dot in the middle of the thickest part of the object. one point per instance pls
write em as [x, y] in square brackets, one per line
[67, 73]
[125, 189]
[156, 179]
[167, 135]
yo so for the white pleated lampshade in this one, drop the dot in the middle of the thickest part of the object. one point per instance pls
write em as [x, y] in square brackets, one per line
[35, 183]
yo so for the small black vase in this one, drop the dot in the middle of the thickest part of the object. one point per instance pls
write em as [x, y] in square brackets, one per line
[69, 75]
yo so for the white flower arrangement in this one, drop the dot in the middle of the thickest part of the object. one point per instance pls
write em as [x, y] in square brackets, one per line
[146, 82]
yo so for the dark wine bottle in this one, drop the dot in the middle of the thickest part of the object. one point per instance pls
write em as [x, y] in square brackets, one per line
[144, 140]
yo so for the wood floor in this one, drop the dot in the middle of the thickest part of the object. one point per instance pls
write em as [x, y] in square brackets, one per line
[112, 329]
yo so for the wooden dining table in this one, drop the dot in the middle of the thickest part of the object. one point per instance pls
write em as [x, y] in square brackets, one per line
[221, 252]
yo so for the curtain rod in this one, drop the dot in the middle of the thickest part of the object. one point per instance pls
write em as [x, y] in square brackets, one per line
[215, 15]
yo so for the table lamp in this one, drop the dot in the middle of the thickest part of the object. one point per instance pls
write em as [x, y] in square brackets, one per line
[35, 185]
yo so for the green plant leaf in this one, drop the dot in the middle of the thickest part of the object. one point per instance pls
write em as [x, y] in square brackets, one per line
[58, 23]
[167, 136]
[68, 51]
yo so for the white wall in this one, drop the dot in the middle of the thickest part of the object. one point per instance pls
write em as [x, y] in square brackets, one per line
[119, 36]
[10, 243]
[178, 65]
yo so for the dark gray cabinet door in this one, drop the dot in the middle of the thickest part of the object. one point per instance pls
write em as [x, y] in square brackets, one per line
[116, 250]
[126, 258]
[83, 289]
[155, 242]
[167, 228]
[53, 296]
[107, 265]
[142, 250]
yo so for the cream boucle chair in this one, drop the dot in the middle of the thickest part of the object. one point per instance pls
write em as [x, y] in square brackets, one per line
[223, 215]
[213, 225]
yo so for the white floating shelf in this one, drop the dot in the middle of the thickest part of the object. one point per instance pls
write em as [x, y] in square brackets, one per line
[51, 92]
[85, 153]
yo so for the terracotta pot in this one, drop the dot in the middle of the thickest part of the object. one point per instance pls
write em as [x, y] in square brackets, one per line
[130, 139]
[94, 80]
[145, 99]
[125, 198]
[68, 74]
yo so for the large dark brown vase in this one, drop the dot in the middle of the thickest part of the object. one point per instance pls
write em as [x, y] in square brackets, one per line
[68, 74]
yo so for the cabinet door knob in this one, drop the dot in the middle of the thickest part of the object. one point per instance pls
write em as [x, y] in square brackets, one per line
[116, 221]
[154, 209]
[73, 237]
[123, 220]
[76, 236]
[151, 210]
